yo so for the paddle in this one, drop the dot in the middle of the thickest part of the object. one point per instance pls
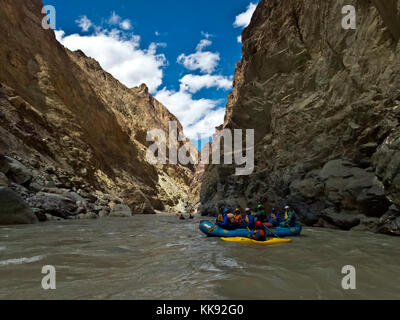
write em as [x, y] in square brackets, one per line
[249, 231]
[268, 229]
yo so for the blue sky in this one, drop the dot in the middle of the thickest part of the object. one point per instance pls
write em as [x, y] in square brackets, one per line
[185, 51]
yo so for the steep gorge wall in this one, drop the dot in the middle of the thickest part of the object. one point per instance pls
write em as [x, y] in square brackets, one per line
[325, 106]
[74, 126]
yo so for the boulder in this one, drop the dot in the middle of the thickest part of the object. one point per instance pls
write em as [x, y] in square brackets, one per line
[13, 209]
[18, 173]
[4, 180]
[104, 213]
[389, 223]
[54, 204]
[121, 210]
[40, 214]
[354, 189]
[90, 197]
[67, 193]
[341, 220]
[367, 224]
[23, 192]
[308, 188]
[306, 213]
[138, 202]
[338, 168]
[35, 187]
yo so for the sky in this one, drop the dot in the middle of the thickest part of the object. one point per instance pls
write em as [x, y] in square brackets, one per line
[184, 51]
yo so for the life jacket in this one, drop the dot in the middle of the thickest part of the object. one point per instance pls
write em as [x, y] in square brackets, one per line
[259, 235]
[274, 218]
[228, 223]
[224, 221]
[231, 217]
[289, 218]
[249, 220]
[238, 219]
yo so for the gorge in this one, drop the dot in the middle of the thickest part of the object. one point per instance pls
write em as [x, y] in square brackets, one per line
[324, 103]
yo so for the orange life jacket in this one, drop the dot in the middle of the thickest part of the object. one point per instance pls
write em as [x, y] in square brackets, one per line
[238, 219]
[259, 234]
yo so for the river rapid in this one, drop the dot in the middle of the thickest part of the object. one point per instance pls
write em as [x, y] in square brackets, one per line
[160, 257]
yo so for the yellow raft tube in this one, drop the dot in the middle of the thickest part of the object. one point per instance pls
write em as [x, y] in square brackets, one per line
[251, 241]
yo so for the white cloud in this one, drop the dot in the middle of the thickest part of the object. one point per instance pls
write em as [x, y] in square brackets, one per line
[206, 126]
[115, 19]
[243, 20]
[194, 83]
[203, 44]
[205, 61]
[126, 24]
[196, 116]
[239, 39]
[120, 56]
[182, 104]
[84, 23]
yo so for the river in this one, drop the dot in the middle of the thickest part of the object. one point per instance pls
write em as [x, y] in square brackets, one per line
[160, 257]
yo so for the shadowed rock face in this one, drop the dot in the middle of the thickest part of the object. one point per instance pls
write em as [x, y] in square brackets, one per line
[74, 126]
[325, 106]
[13, 209]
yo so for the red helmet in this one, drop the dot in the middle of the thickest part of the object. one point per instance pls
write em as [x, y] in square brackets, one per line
[259, 224]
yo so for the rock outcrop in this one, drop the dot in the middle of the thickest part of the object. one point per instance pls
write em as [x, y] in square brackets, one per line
[325, 106]
[67, 124]
[13, 209]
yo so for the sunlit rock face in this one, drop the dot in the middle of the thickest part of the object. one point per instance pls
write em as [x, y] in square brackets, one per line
[73, 126]
[325, 104]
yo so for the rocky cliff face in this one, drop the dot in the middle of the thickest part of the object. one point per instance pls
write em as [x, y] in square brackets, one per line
[71, 130]
[325, 106]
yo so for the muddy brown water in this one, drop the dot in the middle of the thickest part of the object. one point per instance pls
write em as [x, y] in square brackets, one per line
[160, 257]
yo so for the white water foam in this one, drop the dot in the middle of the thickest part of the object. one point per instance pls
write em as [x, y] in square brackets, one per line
[20, 260]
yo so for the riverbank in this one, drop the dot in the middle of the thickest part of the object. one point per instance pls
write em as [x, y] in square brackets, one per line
[160, 257]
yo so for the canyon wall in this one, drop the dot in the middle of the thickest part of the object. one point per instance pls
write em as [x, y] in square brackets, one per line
[325, 106]
[69, 129]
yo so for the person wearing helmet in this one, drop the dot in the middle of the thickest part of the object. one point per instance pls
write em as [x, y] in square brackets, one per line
[228, 220]
[259, 232]
[238, 218]
[289, 218]
[260, 214]
[274, 219]
[248, 220]
[220, 215]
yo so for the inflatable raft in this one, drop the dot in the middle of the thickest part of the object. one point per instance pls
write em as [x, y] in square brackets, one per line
[269, 242]
[212, 230]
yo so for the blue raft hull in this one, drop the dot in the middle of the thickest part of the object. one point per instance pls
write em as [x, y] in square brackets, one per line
[212, 230]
